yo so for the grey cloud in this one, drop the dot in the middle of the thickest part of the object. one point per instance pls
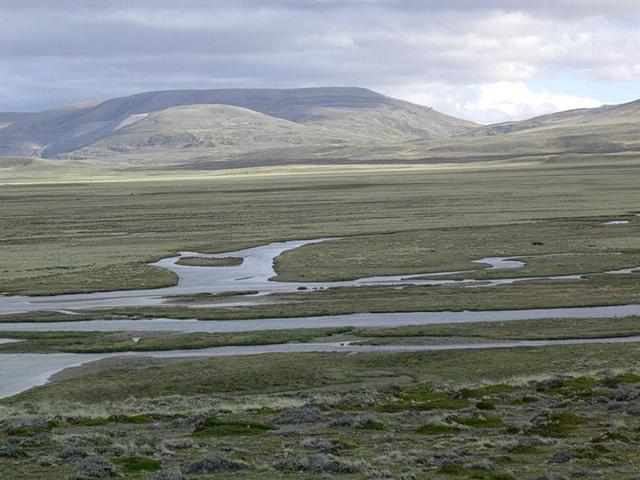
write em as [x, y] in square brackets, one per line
[69, 50]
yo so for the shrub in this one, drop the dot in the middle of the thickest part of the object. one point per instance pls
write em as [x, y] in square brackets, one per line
[318, 463]
[369, 422]
[69, 452]
[322, 444]
[294, 416]
[164, 475]
[94, 467]
[179, 443]
[213, 464]
[12, 449]
[214, 427]
[25, 425]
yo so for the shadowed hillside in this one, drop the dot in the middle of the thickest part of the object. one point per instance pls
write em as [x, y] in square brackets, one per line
[7, 118]
[214, 129]
[331, 115]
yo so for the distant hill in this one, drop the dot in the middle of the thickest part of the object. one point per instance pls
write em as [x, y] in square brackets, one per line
[608, 115]
[232, 120]
[7, 118]
[602, 130]
[213, 129]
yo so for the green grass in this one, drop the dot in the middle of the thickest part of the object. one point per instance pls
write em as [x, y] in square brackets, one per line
[625, 378]
[552, 329]
[485, 405]
[94, 342]
[577, 385]
[138, 464]
[460, 471]
[208, 297]
[482, 392]
[559, 425]
[210, 262]
[599, 291]
[437, 429]
[88, 237]
[124, 419]
[282, 372]
[215, 427]
[478, 421]
[547, 329]
[440, 445]
[601, 248]
[404, 404]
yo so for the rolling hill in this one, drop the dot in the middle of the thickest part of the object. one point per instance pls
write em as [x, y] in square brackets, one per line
[608, 115]
[609, 129]
[182, 119]
[214, 129]
[7, 118]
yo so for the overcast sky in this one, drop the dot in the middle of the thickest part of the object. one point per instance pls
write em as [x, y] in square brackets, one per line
[484, 60]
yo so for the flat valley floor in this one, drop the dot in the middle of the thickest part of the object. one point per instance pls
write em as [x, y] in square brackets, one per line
[500, 407]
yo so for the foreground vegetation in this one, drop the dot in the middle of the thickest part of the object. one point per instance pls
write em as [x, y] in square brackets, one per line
[504, 414]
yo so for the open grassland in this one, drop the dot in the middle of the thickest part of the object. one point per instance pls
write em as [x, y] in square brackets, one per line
[90, 237]
[547, 329]
[503, 414]
[572, 246]
[546, 413]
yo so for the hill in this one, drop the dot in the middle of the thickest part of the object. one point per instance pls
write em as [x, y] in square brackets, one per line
[607, 115]
[217, 129]
[7, 118]
[330, 115]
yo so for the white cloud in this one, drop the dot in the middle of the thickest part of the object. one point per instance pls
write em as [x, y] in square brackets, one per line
[494, 102]
[515, 101]
[472, 57]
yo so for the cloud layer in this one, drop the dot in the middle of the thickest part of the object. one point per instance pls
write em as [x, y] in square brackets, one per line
[472, 58]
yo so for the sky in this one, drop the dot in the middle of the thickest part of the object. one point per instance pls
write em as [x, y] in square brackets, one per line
[482, 60]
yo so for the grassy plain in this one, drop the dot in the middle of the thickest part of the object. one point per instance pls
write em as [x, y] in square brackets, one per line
[98, 236]
[598, 247]
[489, 414]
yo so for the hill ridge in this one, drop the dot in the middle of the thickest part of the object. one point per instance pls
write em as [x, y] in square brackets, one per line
[62, 131]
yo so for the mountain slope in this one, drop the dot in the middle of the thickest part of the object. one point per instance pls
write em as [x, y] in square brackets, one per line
[602, 130]
[607, 116]
[209, 127]
[344, 114]
[7, 118]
